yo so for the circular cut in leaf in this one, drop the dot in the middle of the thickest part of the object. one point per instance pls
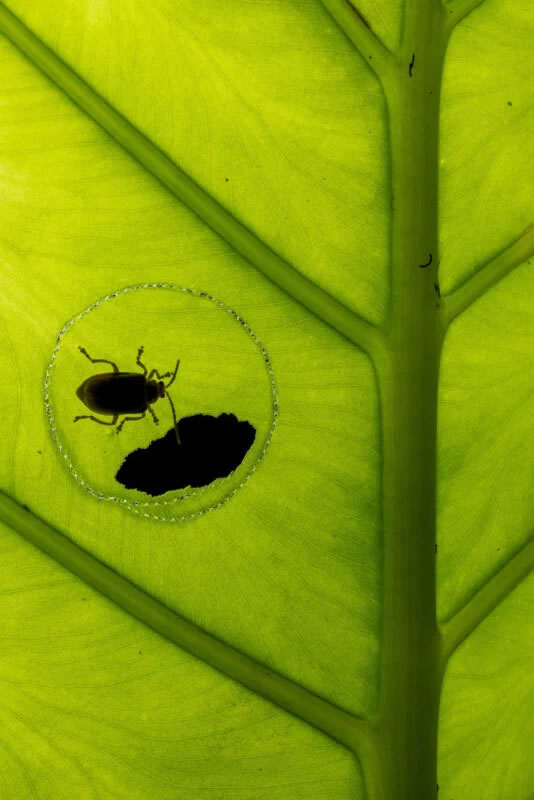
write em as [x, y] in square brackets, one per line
[223, 368]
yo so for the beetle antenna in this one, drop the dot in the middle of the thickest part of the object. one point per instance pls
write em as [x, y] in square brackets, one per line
[174, 417]
[174, 374]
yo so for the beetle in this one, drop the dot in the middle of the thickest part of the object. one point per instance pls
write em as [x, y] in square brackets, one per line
[115, 393]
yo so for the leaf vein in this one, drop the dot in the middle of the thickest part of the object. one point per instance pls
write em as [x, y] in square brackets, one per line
[156, 162]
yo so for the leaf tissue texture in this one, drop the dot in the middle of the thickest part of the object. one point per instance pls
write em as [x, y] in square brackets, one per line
[324, 210]
[291, 543]
[257, 104]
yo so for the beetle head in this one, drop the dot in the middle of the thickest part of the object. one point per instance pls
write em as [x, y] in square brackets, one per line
[161, 389]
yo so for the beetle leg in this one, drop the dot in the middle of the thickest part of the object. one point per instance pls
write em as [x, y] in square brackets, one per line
[101, 421]
[119, 427]
[98, 361]
[156, 420]
[139, 353]
[152, 371]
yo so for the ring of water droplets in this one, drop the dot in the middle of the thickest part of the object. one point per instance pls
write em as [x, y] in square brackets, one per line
[137, 506]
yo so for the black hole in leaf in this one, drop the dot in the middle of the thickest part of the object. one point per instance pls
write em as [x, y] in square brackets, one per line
[211, 447]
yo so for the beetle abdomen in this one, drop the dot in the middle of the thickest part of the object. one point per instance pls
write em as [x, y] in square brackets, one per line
[114, 393]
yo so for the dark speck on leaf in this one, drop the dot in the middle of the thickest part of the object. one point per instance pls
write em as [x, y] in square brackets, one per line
[227, 179]
[25, 506]
[509, 103]
[39, 452]
[140, 652]
[211, 448]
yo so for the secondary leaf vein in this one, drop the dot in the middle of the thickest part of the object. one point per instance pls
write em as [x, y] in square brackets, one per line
[484, 601]
[486, 277]
[354, 733]
[243, 240]
[358, 31]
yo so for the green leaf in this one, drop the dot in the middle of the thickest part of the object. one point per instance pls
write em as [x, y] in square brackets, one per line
[265, 192]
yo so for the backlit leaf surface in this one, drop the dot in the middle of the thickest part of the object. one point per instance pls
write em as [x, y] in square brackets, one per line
[282, 116]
